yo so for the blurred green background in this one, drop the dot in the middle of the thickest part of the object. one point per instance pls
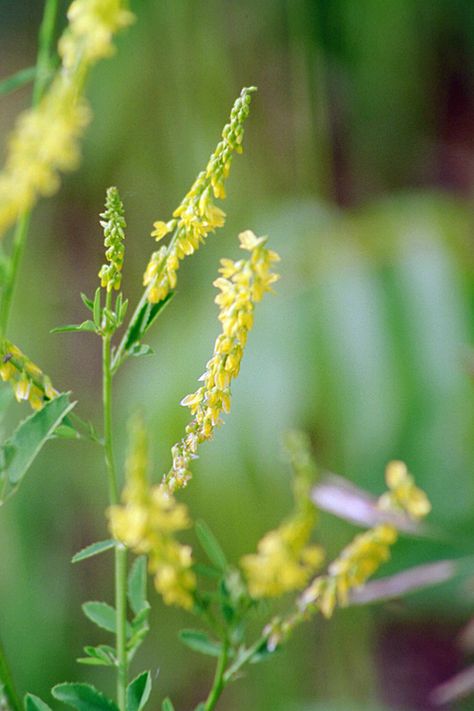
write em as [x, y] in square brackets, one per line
[359, 165]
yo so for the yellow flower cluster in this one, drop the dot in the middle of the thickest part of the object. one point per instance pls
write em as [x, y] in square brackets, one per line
[241, 284]
[92, 24]
[147, 522]
[45, 139]
[359, 560]
[404, 495]
[284, 561]
[113, 224]
[197, 215]
[27, 379]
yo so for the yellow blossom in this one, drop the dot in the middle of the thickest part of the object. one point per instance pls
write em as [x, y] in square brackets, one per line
[285, 560]
[242, 284]
[147, 521]
[197, 215]
[404, 494]
[27, 380]
[113, 224]
[45, 140]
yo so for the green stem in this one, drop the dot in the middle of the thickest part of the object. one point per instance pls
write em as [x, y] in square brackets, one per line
[43, 59]
[219, 681]
[244, 658]
[8, 690]
[120, 551]
[43, 64]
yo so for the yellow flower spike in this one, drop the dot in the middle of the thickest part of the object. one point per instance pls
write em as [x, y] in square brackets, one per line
[45, 140]
[113, 223]
[147, 521]
[197, 215]
[247, 279]
[27, 380]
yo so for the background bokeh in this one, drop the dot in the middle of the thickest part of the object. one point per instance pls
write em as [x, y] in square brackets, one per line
[359, 165]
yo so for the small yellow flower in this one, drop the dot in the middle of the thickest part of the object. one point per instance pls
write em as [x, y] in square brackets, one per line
[404, 494]
[113, 224]
[27, 379]
[245, 284]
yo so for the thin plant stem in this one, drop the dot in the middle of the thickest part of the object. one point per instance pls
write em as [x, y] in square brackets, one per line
[8, 689]
[42, 71]
[43, 60]
[219, 681]
[244, 658]
[120, 550]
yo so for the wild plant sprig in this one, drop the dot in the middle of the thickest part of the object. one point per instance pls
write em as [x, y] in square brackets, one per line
[192, 221]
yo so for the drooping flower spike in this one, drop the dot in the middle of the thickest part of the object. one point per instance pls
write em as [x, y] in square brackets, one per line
[241, 284]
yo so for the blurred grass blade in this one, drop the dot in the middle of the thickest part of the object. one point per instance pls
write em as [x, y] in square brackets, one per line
[211, 546]
[456, 688]
[16, 81]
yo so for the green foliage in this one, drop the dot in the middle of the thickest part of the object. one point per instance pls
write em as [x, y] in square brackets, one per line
[103, 615]
[211, 546]
[20, 450]
[167, 705]
[137, 583]
[17, 80]
[200, 642]
[34, 703]
[82, 697]
[94, 549]
[138, 692]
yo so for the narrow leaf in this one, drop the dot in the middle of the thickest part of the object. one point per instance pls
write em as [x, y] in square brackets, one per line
[21, 449]
[17, 80]
[83, 697]
[96, 308]
[141, 349]
[34, 703]
[88, 303]
[138, 692]
[136, 588]
[167, 705]
[199, 642]
[103, 615]
[144, 319]
[94, 549]
[211, 546]
[84, 326]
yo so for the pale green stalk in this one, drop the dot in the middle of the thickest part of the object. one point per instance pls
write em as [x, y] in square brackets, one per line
[43, 65]
[120, 550]
[219, 683]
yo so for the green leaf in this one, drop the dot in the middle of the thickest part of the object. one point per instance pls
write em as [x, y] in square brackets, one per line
[141, 349]
[144, 319]
[16, 81]
[83, 697]
[206, 571]
[21, 449]
[200, 642]
[34, 703]
[136, 588]
[167, 705]
[88, 303]
[66, 432]
[211, 546]
[138, 692]
[84, 326]
[103, 615]
[100, 655]
[96, 309]
[94, 549]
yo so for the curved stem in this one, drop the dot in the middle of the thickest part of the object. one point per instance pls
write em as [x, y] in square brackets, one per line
[120, 550]
[8, 690]
[219, 681]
